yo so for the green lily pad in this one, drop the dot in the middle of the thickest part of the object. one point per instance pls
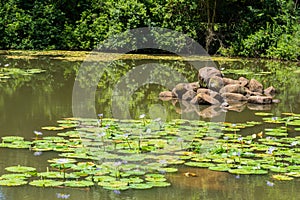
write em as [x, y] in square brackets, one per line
[15, 176]
[168, 169]
[294, 123]
[116, 185]
[59, 175]
[140, 186]
[293, 174]
[12, 138]
[282, 177]
[219, 168]
[12, 182]
[263, 114]
[278, 169]
[247, 171]
[52, 128]
[79, 184]
[46, 183]
[20, 169]
[199, 164]
[159, 184]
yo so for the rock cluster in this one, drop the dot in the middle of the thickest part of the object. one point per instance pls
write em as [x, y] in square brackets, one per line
[212, 88]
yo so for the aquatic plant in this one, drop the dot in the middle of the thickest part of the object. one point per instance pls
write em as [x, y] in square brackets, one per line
[139, 155]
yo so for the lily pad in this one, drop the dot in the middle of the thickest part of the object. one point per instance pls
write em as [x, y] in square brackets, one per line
[78, 184]
[247, 171]
[199, 164]
[13, 182]
[46, 183]
[282, 177]
[140, 186]
[263, 114]
[159, 184]
[20, 169]
[12, 138]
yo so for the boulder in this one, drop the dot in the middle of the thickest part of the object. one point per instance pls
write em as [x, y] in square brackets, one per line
[233, 97]
[211, 93]
[234, 88]
[203, 98]
[228, 81]
[193, 86]
[166, 94]
[260, 99]
[215, 83]
[243, 81]
[189, 95]
[180, 89]
[255, 86]
[206, 73]
[270, 91]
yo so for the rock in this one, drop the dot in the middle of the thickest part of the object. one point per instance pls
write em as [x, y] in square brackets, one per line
[180, 89]
[204, 91]
[234, 88]
[193, 86]
[275, 101]
[228, 81]
[203, 98]
[270, 91]
[255, 86]
[215, 83]
[233, 97]
[166, 94]
[260, 99]
[256, 94]
[211, 93]
[243, 81]
[206, 73]
[189, 95]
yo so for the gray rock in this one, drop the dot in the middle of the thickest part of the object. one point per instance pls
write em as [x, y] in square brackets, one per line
[255, 86]
[189, 95]
[234, 88]
[233, 97]
[203, 98]
[206, 73]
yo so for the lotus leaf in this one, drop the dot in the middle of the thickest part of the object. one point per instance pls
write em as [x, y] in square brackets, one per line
[12, 182]
[80, 184]
[293, 174]
[159, 184]
[140, 186]
[46, 183]
[20, 169]
[12, 138]
[281, 177]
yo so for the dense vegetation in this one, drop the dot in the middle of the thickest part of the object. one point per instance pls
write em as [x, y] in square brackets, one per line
[260, 28]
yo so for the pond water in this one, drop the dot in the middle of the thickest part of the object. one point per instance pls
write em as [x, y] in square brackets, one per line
[29, 102]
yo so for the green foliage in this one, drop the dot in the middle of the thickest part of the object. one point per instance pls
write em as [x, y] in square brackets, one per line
[267, 28]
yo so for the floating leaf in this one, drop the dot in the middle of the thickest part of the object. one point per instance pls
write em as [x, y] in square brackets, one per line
[12, 182]
[281, 177]
[78, 183]
[20, 169]
[159, 184]
[140, 186]
[46, 183]
[199, 164]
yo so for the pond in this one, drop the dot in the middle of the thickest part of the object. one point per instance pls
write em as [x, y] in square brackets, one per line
[30, 102]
